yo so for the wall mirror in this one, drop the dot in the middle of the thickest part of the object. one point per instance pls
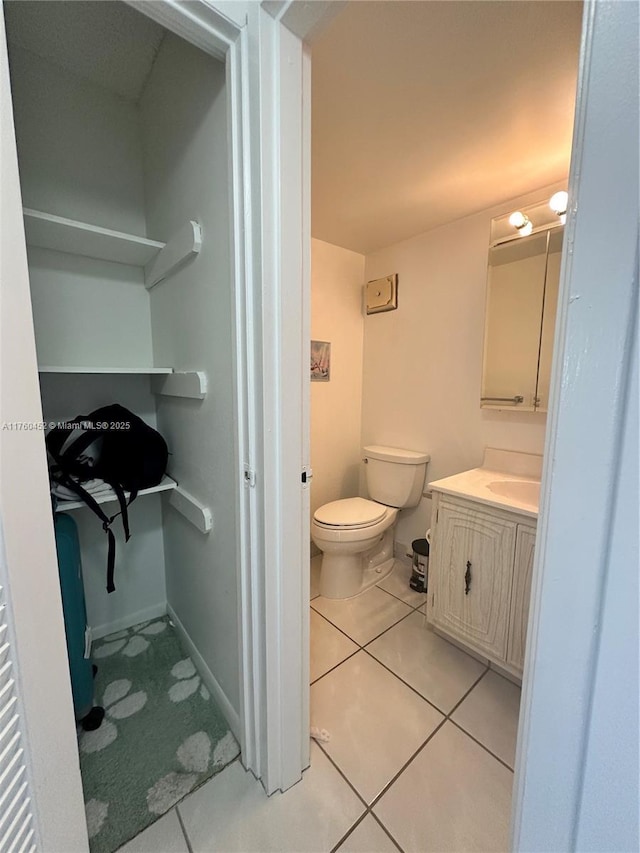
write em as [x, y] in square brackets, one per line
[522, 295]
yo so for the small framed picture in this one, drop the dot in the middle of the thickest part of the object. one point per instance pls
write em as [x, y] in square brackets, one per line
[320, 361]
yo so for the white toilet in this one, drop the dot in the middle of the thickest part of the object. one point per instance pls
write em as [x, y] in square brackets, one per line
[355, 535]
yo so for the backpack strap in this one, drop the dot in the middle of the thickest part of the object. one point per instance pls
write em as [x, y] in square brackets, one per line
[124, 503]
[106, 524]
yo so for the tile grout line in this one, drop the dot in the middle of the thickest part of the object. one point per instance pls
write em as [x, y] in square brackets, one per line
[377, 636]
[395, 778]
[364, 649]
[346, 835]
[414, 606]
[406, 683]
[486, 748]
[333, 625]
[382, 826]
[367, 808]
[184, 830]
[446, 717]
[335, 666]
[340, 771]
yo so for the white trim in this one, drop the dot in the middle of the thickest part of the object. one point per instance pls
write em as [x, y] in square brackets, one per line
[107, 628]
[205, 673]
[303, 19]
[199, 22]
[269, 448]
[305, 338]
[592, 345]
[207, 27]
[274, 711]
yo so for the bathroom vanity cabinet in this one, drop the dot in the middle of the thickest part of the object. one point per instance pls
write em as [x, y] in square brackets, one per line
[480, 578]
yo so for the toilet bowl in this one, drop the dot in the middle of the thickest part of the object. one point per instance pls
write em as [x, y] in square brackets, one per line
[355, 535]
[347, 532]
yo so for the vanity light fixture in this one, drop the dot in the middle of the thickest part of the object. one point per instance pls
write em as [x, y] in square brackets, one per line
[558, 203]
[522, 222]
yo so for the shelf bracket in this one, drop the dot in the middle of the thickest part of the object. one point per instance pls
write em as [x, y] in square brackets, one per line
[191, 384]
[184, 245]
[195, 512]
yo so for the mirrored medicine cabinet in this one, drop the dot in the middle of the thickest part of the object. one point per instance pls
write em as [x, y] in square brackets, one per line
[522, 295]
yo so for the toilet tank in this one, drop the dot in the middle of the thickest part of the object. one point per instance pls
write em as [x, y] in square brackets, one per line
[395, 477]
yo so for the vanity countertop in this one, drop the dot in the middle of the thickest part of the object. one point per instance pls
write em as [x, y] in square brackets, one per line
[501, 489]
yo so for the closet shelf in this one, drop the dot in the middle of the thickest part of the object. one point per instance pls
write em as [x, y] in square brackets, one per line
[165, 485]
[144, 371]
[48, 231]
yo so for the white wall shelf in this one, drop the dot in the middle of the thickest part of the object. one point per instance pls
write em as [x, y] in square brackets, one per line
[143, 371]
[195, 512]
[48, 231]
[182, 247]
[165, 485]
[192, 384]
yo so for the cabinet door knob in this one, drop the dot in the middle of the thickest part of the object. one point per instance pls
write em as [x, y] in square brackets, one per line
[467, 578]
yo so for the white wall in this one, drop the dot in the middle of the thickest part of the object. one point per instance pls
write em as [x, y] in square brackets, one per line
[79, 147]
[184, 111]
[423, 362]
[80, 155]
[337, 276]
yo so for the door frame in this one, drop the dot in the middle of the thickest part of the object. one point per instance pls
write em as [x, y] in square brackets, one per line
[589, 399]
[265, 63]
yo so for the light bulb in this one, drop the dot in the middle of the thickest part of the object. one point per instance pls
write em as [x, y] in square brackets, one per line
[522, 222]
[558, 202]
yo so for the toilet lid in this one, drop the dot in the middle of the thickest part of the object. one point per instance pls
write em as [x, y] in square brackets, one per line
[350, 512]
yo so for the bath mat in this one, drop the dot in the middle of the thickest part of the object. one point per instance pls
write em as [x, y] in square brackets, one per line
[162, 735]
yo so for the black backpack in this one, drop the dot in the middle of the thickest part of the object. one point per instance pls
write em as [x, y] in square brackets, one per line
[114, 445]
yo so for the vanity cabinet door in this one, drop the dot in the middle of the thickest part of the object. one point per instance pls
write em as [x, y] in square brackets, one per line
[521, 593]
[472, 578]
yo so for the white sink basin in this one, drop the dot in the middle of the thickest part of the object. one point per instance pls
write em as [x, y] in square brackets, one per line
[524, 491]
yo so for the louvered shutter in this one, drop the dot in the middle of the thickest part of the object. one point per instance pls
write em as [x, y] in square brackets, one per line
[17, 831]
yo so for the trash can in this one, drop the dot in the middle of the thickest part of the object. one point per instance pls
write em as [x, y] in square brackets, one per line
[420, 567]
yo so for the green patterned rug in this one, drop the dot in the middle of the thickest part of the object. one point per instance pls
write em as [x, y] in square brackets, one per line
[161, 738]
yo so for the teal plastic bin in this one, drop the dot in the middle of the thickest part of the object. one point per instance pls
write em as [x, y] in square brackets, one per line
[75, 621]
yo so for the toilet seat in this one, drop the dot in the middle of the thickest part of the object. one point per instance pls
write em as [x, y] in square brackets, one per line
[349, 514]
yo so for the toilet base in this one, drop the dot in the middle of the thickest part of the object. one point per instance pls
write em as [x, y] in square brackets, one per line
[347, 575]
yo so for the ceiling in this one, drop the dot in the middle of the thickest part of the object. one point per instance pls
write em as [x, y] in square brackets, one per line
[107, 43]
[425, 112]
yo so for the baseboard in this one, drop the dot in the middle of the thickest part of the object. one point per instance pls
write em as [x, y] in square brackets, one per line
[129, 621]
[231, 715]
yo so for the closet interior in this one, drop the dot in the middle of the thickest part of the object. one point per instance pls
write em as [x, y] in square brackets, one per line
[121, 129]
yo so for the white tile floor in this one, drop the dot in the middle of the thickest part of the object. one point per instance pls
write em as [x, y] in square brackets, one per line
[420, 757]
